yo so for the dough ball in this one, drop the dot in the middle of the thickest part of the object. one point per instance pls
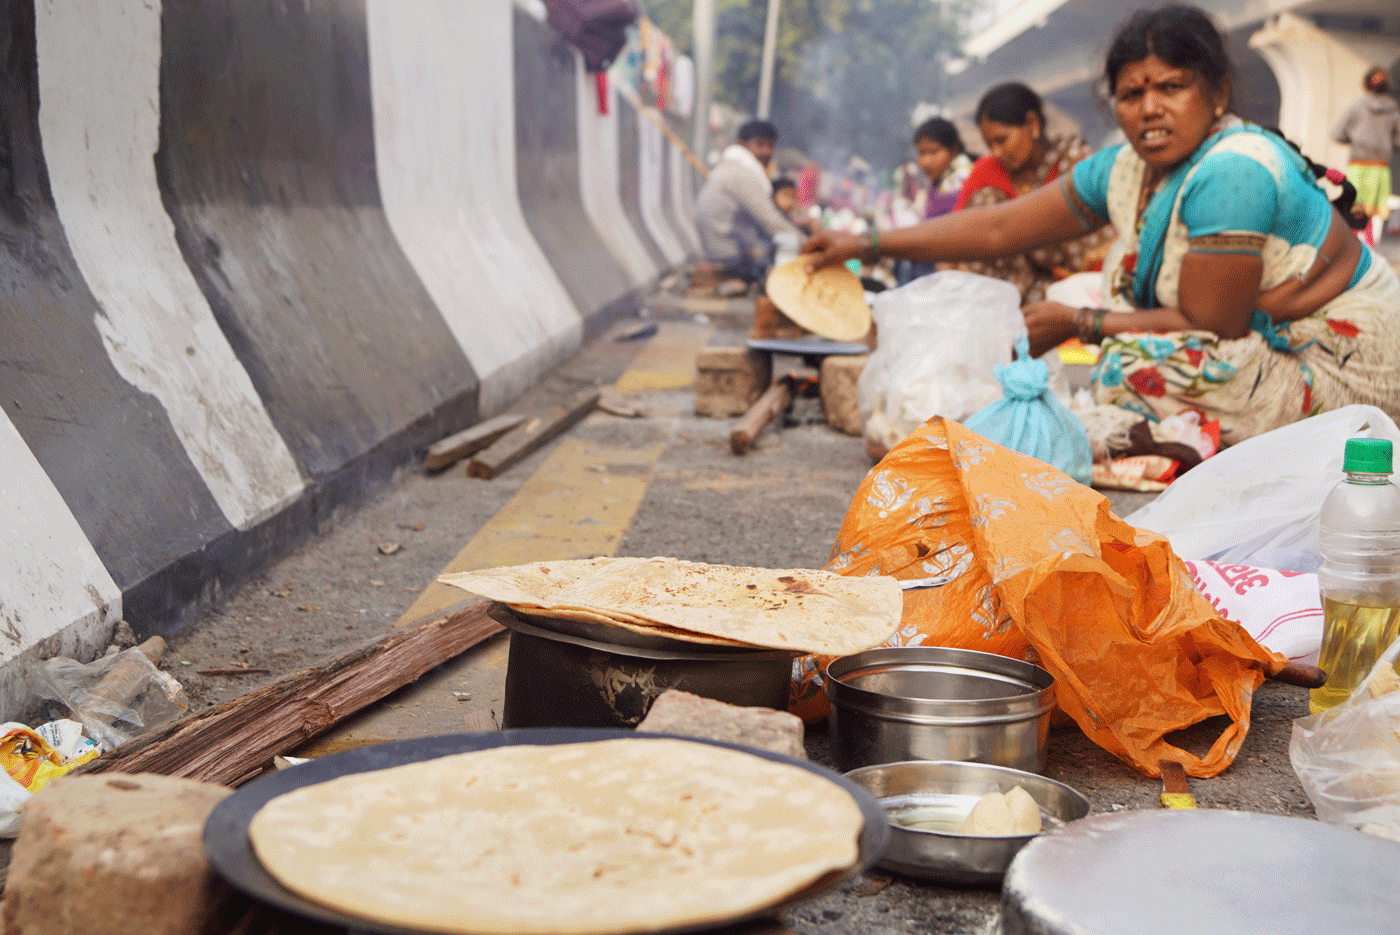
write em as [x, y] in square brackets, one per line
[1025, 813]
[990, 817]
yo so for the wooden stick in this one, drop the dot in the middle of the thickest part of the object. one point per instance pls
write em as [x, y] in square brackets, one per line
[524, 440]
[1305, 676]
[454, 448]
[770, 405]
[231, 742]
[660, 121]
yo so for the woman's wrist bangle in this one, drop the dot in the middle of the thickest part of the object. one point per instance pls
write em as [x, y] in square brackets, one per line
[1089, 323]
[870, 253]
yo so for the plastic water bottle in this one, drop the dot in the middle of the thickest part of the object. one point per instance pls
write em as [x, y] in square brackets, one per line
[1359, 541]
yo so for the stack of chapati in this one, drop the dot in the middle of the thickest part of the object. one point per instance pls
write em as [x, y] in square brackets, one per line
[796, 609]
[829, 302]
[626, 835]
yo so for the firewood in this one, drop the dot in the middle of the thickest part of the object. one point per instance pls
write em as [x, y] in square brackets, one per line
[770, 405]
[521, 442]
[231, 742]
[454, 448]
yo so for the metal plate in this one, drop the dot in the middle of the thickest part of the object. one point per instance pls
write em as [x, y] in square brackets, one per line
[231, 854]
[805, 346]
[1209, 872]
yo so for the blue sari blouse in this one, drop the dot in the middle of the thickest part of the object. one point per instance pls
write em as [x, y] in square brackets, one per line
[1231, 196]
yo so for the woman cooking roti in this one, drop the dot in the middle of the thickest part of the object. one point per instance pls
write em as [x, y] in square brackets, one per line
[1234, 288]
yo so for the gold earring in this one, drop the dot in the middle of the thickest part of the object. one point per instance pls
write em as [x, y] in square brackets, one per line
[1219, 112]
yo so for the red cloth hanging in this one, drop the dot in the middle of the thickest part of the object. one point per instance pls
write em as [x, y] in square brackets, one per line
[601, 81]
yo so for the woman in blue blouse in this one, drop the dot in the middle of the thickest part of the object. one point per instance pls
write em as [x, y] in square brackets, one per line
[1235, 288]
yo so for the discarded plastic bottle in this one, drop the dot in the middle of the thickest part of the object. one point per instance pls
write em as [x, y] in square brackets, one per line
[1359, 540]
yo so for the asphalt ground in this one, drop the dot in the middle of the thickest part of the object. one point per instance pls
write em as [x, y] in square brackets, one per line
[661, 484]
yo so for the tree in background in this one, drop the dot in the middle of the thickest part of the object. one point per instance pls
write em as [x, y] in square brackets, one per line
[848, 72]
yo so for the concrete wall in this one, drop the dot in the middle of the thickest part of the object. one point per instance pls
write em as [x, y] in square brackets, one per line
[256, 257]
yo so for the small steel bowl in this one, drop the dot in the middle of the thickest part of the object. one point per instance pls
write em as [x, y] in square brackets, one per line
[946, 792]
[935, 703]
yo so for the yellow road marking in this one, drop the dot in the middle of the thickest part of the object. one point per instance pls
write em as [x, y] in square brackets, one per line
[581, 500]
[668, 360]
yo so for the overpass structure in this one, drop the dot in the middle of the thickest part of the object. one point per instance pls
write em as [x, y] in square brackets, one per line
[1299, 62]
[258, 255]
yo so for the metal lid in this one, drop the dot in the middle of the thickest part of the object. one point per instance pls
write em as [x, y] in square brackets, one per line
[1209, 872]
[934, 684]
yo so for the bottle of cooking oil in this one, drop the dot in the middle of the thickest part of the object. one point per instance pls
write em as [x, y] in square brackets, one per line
[1359, 540]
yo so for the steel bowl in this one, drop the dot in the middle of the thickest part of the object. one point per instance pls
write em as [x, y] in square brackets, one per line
[943, 793]
[934, 703]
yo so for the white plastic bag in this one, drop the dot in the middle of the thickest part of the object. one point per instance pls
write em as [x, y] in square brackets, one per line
[1348, 759]
[1256, 503]
[940, 337]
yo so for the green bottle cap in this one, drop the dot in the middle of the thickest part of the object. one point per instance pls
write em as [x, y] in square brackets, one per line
[1367, 455]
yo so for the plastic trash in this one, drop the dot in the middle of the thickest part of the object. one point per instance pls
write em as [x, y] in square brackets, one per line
[115, 698]
[940, 337]
[1348, 757]
[29, 759]
[1029, 419]
[1257, 503]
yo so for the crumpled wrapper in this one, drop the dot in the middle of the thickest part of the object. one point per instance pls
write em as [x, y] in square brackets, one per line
[1042, 571]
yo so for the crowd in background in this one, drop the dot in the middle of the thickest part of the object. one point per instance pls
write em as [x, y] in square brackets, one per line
[946, 174]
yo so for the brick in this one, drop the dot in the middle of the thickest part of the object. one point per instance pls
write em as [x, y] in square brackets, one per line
[840, 399]
[115, 854]
[678, 712]
[728, 380]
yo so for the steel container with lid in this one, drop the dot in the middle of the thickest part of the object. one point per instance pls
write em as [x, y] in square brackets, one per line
[935, 703]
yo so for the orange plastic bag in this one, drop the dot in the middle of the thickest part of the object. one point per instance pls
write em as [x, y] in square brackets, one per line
[1043, 571]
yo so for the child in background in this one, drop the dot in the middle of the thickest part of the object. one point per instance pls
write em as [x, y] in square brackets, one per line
[941, 157]
[1371, 127]
[785, 197]
[945, 163]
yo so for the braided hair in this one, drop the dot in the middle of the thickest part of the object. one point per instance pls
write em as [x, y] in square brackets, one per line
[1345, 202]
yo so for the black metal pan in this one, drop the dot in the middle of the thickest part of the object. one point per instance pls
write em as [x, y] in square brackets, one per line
[231, 854]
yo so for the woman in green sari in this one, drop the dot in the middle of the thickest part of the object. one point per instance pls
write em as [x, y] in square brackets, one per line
[1235, 289]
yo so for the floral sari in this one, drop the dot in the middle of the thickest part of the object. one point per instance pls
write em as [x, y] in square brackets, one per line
[1346, 352]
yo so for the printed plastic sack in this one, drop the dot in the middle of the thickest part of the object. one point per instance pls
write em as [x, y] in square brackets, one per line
[1256, 503]
[31, 758]
[1029, 418]
[1348, 758]
[1282, 610]
[1042, 570]
[116, 697]
[939, 339]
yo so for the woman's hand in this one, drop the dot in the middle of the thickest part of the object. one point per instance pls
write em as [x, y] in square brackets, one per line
[1050, 324]
[827, 248]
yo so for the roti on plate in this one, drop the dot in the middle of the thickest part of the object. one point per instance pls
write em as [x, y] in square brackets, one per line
[626, 835]
[829, 302]
[803, 610]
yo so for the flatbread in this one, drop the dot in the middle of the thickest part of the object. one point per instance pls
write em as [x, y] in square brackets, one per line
[798, 609]
[625, 623]
[626, 835]
[829, 302]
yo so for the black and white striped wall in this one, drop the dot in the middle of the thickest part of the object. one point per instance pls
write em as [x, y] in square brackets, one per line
[256, 255]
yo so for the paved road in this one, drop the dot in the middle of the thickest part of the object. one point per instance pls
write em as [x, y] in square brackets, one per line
[664, 484]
